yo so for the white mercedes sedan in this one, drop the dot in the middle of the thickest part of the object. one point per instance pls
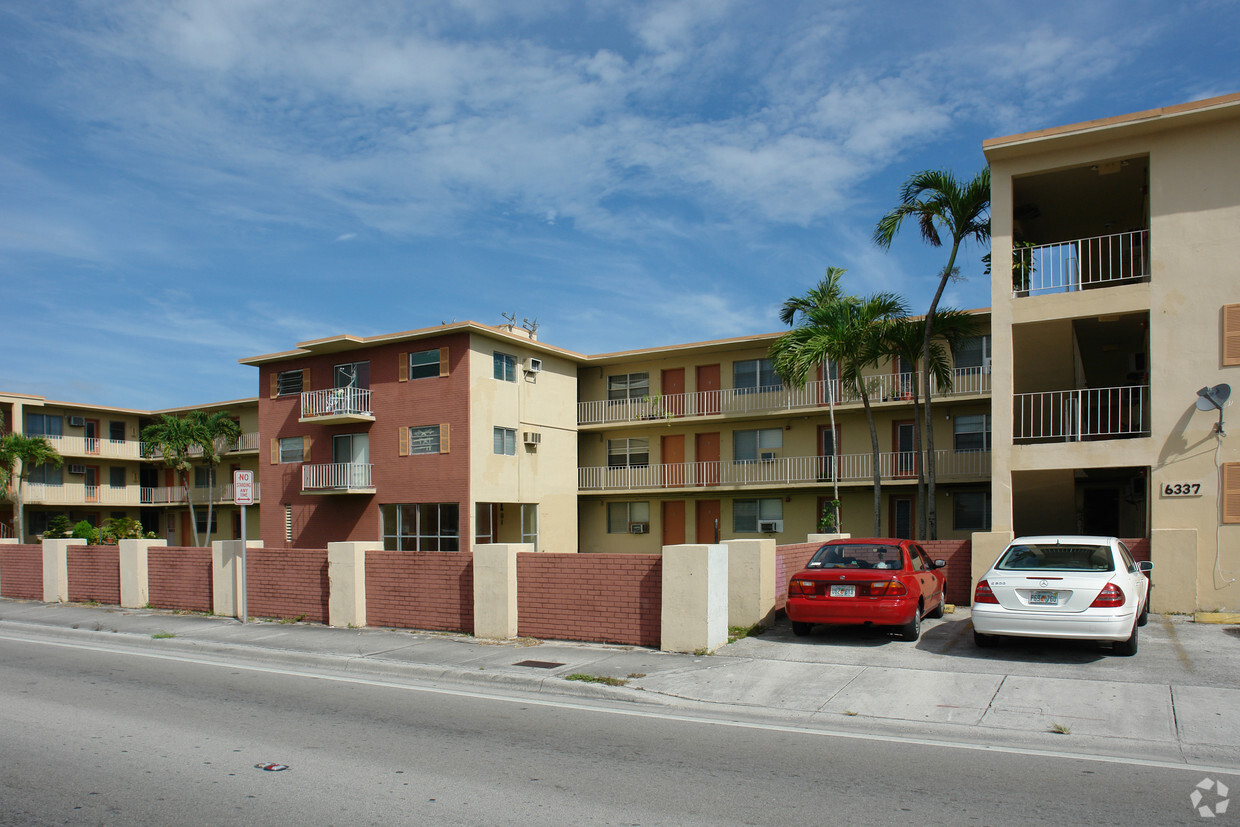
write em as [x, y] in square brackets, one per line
[1084, 588]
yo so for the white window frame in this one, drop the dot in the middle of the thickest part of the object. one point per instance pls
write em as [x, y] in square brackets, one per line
[746, 514]
[957, 432]
[763, 440]
[625, 386]
[426, 369]
[629, 448]
[621, 515]
[504, 366]
[287, 444]
[765, 379]
[504, 441]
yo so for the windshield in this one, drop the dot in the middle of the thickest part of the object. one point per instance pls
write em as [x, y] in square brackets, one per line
[1054, 557]
[857, 556]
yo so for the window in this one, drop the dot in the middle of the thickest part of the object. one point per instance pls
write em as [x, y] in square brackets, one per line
[505, 441]
[200, 518]
[753, 375]
[625, 453]
[424, 364]
[288, 382]
[44, 425]
[971, 510]
[505, 368]
[116, 431]
[292, 449]
[351, 375]
[202, 477]
[425, 440]
[421, 527]
[750, 446]
[973, 352]
[621, 516]
[47, 474]
[628, 386]
[746, 514]
[973, 432]
[529, 524]
[116, 477]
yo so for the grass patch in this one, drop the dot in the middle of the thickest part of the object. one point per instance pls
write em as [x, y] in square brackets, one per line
[163, 635]
[1061, 729]
[297, 619]
[735, 633]
[604, 679]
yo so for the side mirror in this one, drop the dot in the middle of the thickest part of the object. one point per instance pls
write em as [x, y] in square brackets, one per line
[1145, 565]
[940, 564]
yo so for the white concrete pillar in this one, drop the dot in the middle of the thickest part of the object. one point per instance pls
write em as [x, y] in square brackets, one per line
[56, 568]
[695, 598]
[135, 584]
[9, 541]
[226, 577]
[985, 547]
[495, 589]
[346, 576]
[826, 538]
[751, 582]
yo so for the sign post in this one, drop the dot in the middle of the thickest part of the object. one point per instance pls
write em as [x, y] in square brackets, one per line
[243, 495]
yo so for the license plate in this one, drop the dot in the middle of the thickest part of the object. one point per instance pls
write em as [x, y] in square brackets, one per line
[1044, 598]
[843, 591]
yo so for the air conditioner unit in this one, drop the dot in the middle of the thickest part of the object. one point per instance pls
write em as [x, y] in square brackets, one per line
[768, 456]
[534, 365]
[770, 526]
[531, 437]
[77, 469]
[77, 421]
[639, 528]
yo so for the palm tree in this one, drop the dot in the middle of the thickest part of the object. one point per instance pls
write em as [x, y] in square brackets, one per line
[848, 332]
[24, 453]
[217, 433]
[906, 340]
[172, 440]
[936, 200]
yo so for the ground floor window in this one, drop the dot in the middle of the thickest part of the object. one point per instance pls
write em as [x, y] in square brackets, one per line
[971, 510]
[421, 527]
[747, 514]
[200, 518]
[529, 524]
[623, 517]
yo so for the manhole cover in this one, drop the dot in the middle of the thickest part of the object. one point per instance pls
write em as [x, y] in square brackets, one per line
[538, 664]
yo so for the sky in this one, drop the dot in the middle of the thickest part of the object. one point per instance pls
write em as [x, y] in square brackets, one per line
[185, 183]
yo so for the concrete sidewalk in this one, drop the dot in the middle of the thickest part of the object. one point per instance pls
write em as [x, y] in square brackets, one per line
[1174, 701]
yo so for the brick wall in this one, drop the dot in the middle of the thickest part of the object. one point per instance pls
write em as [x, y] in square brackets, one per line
[788, 561]
[21, 572]
[420, 590]
[95, 574]
[287, 583]
[180, 578]
[959, 570]
[1138, 547]
[602, 598]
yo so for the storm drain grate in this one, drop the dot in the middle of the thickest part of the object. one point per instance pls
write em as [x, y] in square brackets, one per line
[538, 664]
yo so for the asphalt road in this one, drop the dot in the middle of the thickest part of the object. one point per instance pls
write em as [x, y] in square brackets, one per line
[91, 737]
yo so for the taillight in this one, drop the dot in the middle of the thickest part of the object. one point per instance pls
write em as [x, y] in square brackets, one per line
[801, 587]
[1111, 597]
[887, 588]
[983, 594]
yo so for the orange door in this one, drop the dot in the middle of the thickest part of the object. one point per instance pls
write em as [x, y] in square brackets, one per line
[187, 533]
[673, 522]
[706, 455]
[673, 390]
[708, 389]
[707, 521]
[673, 461]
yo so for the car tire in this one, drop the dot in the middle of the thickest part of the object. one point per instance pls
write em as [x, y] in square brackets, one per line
[1144, 617]
[982, 641]
[912, 630]
[1127, 648]
[800, 629]
[937, 611]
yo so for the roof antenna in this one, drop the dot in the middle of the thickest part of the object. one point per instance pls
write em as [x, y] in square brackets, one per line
[531, 327]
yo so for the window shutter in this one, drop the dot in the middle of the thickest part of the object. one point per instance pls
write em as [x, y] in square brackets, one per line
[275, 452]
[305, 448]
[402, 368]
[1231, 334]
[275, 383]
[443, 361]
[1231, 493]
[403, 441]
[305, 379]
[444, 431]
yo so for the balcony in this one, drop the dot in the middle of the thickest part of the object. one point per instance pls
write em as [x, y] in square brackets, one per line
[76, 493]
[1085, 414]
[173, 495]
[1082, 264]
[247, 443]
[80, 446]
[337, 478]
[336, 405]
[777, 399]
[950, 466]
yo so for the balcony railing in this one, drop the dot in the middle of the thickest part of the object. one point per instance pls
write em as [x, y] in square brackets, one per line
[171, 495]
[336, 476]
[741, 401]
[336, 403]
[80, 446]
[1082, 264]
[76, 493]
[246, 442]
[1089, 413]
[900, 465]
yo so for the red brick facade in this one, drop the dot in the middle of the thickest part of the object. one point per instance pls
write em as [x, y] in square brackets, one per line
[287, 583]
[788, 561]
[603, 598]
[21, 572]
[420, 590]
[959, 569]
[180, 578]
[95, 574]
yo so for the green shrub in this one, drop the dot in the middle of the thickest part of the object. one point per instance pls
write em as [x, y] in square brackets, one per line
[58, 527]
[83, 530]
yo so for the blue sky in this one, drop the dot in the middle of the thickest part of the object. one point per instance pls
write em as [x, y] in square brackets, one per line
[183, 184]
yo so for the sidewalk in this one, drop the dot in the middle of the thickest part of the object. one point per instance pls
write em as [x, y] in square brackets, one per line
[1174, 701]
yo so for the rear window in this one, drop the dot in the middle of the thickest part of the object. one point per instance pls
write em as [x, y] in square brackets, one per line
[857, 556]
[1055, 557]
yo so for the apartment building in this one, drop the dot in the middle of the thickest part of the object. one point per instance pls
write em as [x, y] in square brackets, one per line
[105, 475]
[429, 440]
[1121, 304]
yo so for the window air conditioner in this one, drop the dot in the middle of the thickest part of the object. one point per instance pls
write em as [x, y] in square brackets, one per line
[77, 421]
[639, 528]
[534, 365]
[768, 456]
[531, 437]
[770, 526]
[77, 469]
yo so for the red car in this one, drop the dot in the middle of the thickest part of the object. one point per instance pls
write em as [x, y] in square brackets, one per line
[880, 581]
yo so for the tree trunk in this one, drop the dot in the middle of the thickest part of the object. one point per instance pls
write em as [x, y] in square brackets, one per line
[189, 497]
[932, 520]
[835, 451]
[878, 475]
[210, 502]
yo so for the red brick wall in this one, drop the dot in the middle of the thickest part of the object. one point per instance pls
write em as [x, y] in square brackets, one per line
[287, 583]
[788, 561]
[1138, 547]
[180, 578]
[959, 570]
[95, 574]
[603, 598]
[21, 572]
[420, 590]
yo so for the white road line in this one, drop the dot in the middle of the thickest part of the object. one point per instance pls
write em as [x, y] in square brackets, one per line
[639, 713]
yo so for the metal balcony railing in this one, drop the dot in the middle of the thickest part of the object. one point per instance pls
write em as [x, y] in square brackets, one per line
[246, 442]
[76, 493]
[336, 402]
[336, 476]
[1081, 264]
[1088, 413]
[80, 446]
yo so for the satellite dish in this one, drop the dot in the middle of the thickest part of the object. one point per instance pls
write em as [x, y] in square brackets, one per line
[1209, 399]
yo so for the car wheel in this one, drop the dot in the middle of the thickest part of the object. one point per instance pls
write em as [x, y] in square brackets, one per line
[937, 611]
[982, 641]
[800, 629]
[1127, 647]
[1144, 617]
[912, 629]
